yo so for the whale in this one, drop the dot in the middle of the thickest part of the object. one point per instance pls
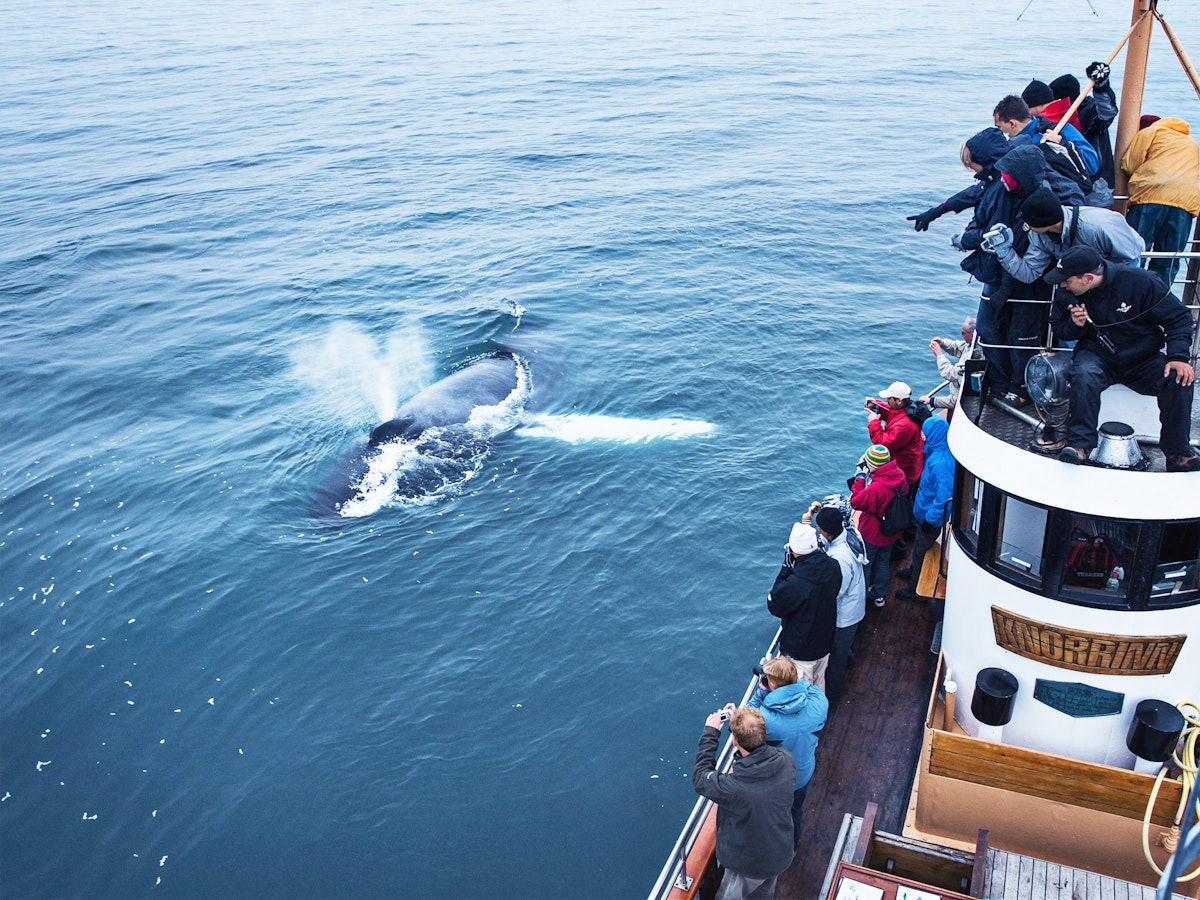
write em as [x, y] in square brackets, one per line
[433, 440]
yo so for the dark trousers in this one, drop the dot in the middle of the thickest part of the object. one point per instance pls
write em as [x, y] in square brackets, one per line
[1026, 328]
[927, 536]
[1163, 228]
[1092, 373]
[991, 324]
[879, 561]
[835, 673]
[798, 811]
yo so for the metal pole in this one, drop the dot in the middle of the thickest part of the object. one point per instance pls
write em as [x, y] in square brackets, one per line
[1137, 54]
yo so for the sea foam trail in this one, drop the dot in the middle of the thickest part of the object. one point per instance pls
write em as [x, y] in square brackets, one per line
[575, 428]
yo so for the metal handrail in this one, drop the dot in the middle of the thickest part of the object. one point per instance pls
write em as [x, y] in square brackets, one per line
[673, 873]
[1184, 283]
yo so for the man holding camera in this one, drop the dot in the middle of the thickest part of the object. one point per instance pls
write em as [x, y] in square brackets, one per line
[1123, 319]
[754, 801]
[892, 426]
[804, 597]
[794, 711]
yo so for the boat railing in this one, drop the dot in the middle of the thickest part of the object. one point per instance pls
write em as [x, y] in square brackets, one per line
[674, 874]
[1186, 286]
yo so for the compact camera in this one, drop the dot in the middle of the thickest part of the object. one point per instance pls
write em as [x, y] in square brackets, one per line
[992, 238]
[724, 715]
[873, 405]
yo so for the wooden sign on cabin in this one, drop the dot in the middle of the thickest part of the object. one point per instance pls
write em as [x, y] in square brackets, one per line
[1086, 651]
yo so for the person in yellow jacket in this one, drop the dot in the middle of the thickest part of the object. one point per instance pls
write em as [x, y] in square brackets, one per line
[1163, 164]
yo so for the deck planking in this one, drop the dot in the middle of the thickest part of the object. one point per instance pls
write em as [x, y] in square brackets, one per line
[869, 748]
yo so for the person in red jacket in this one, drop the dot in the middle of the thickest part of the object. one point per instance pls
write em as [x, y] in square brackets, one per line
[892, 426]
[871, 493]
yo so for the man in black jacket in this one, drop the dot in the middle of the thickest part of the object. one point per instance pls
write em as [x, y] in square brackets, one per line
[1120, 332]
[805, 598]
[754, 803]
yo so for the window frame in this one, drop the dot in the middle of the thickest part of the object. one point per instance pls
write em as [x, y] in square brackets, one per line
[983, 547]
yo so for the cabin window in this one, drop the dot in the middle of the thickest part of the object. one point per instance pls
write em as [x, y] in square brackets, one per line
[968, 508]
[1177, 564]
[1075, 558]
[1021, 538]
[1099, 554]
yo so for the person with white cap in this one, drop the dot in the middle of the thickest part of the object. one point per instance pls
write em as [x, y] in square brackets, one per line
[804, 598]
[892, 427]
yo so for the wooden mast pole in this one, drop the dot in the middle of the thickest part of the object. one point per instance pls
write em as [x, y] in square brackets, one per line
[1137, 54]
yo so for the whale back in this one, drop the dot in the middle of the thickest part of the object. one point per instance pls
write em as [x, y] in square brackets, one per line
[451, 400]
[400, 428]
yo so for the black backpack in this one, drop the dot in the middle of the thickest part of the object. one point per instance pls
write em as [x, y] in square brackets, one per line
[1065, 158]
[898, 516]
[918, 411]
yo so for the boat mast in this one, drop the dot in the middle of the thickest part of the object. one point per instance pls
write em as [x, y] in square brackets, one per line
[1137, 54]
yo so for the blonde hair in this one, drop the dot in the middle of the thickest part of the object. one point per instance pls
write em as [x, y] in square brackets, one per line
[964, 155]
[781, 670]
[747, 725]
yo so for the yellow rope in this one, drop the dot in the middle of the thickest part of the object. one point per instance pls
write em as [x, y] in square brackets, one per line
[1184, 756]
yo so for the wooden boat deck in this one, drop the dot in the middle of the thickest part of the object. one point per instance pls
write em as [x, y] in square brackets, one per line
[869, 748]
[1011, 876]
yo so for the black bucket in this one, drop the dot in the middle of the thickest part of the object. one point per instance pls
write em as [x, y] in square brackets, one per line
[995, 692]
[1155, 730]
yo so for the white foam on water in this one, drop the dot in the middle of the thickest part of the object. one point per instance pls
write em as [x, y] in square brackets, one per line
[575, 428]
[437, 455]
[350, 369]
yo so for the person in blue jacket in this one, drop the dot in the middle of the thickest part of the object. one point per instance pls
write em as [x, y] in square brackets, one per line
[1013, 116]
[931, 505]
[794, 711]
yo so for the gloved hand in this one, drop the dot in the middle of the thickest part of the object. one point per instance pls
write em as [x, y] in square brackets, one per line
[999, 240]
[921, 222]
[1099, 73]
[956, 242]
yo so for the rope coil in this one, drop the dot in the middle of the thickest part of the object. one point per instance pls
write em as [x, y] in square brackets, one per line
[1184, 756]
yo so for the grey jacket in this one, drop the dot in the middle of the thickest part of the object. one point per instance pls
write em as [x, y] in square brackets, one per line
[1105, 230]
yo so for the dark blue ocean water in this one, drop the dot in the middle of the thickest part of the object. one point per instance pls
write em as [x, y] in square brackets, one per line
[234, 236]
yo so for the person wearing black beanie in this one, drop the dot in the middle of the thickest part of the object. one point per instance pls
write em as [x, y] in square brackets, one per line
[845, 547]
[1042, 209]
[1094, 115]
[1037, 95]
[1054, 229]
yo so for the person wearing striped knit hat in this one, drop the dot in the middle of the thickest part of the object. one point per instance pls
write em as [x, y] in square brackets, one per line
[871, 490]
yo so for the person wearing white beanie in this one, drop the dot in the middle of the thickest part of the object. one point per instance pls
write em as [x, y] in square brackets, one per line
[804, 597]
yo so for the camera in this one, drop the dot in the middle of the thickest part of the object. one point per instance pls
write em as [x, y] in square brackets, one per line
[762, 677]
[724, 715]
[873, 405]
[1001, 234]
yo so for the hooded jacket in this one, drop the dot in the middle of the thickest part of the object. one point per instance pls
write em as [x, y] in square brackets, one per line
[998, 205]
[986, 148]
[848, 552]
[1083, 226]
[1133, 309]
[754, 806]
[794, 713]
[1163, 163]
[937, 484]
[804, 597]
[897, 431]
[872, 497]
